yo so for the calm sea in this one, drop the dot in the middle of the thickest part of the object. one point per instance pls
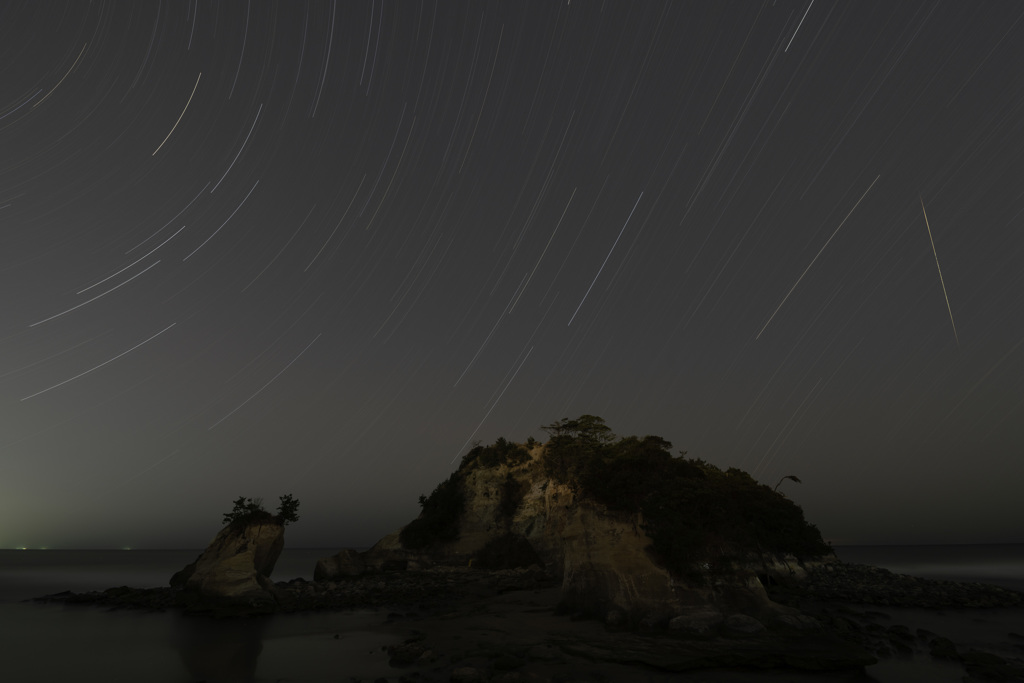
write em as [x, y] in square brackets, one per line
[46, 643]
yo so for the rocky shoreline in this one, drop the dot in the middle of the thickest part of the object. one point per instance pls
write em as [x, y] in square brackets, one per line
[427, 590]
[864, 584]
[840, 596]
[446, 614]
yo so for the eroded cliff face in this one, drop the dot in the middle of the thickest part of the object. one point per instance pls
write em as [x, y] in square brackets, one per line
[603, 558]
[236, 566]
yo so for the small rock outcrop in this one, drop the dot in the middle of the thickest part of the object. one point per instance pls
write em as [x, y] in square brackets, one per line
[346, 564]
[234, 569]
[582, 507]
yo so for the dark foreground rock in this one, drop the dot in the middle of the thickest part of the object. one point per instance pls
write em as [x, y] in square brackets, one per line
[840, 597]
[504, 626]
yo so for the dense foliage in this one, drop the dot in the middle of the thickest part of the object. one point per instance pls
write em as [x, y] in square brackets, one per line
[439, 520]
[699, 517]
[696, 514]
[248, 511]
[501, 452]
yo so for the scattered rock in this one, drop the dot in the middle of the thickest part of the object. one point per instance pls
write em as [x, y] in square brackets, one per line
[405, 654]
[988, 666]
[943, 648]
[743, 625]
[698, 623]
[346, 564]
[800, 622]
[856, 583]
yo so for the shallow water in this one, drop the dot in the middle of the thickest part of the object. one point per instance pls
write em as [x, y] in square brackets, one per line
[51, 642]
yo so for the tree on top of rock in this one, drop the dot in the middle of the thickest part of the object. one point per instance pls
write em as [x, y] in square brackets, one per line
[251, 511]
[574, 444]
[585, 428]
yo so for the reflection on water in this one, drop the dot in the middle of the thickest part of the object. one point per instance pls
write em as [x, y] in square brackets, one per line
[219, 649]
[43, 643]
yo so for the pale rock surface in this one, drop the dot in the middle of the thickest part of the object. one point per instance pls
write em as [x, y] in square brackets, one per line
[237, 564]
[602, 557]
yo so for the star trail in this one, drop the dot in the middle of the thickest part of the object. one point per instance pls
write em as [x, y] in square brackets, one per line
[321, 248]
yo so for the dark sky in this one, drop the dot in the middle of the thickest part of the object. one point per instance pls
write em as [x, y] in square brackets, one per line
[255, 248]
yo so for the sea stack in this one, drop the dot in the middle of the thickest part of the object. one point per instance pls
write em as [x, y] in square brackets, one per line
[635, 535]
[234, 570]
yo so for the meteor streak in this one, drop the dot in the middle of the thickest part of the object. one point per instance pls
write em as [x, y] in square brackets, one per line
[817, 255]
[943, 282]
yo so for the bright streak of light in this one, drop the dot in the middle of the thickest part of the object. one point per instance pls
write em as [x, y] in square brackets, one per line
[62, 79]
[281, 372]
[222, 224]
[338, 224]
[82, 374]
[985, 376]
[170, 221]
[495, 404]
[605, 259]
[541, 257]
[21, 105]
[244, 142]
[943, 282]
[798, 26]
[40, 322]
[180, 115]
[142, 258]
[310, 213]
[816, 256]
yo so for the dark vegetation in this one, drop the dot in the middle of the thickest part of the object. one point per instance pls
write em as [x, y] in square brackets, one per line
[439, 520]
[697, 515]
[501, 452]
[442, 509]
[248, 511]
[507, 551]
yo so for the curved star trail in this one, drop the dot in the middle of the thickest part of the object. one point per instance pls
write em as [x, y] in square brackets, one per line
[382, 231]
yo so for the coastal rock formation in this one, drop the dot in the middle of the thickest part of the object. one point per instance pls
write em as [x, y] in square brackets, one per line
[236, 566]
[510, 505]
[346, 564]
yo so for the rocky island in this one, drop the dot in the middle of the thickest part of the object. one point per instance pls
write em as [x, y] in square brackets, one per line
[589, 548]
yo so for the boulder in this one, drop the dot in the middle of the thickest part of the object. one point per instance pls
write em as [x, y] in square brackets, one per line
[742, 625]
[698, 623]
[236, 566]
[348, 563]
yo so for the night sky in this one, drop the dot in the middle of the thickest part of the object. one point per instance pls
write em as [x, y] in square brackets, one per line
[255, 248]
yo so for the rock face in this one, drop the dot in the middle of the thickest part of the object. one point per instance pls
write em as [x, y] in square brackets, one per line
[603, 557]
[236, 566]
